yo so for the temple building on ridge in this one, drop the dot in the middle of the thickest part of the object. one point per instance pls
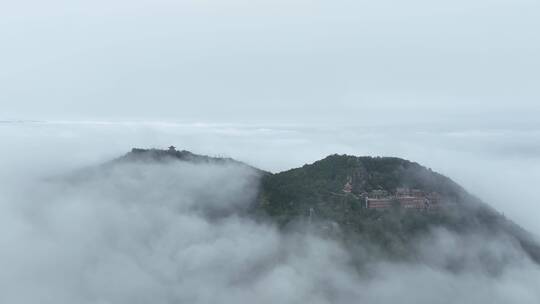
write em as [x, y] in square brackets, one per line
[348, 186]
[403, 197]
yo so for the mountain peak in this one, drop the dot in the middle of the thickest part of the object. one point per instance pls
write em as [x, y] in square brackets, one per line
[172, 154]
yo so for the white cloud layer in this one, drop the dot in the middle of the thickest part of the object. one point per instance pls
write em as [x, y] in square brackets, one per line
[168, 233]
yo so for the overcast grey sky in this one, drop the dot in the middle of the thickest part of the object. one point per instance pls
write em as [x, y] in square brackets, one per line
[273, 61]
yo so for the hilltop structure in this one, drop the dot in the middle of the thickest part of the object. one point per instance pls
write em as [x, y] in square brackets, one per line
[404, 198]
[348, 186]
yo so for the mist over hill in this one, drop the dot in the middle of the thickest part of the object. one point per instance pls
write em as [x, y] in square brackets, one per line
[313, 197]
[167, 226]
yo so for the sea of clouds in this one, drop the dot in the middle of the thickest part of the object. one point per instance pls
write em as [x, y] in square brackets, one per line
[176, 233]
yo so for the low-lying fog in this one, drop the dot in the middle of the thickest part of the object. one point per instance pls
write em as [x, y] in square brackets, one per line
[154, 233]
